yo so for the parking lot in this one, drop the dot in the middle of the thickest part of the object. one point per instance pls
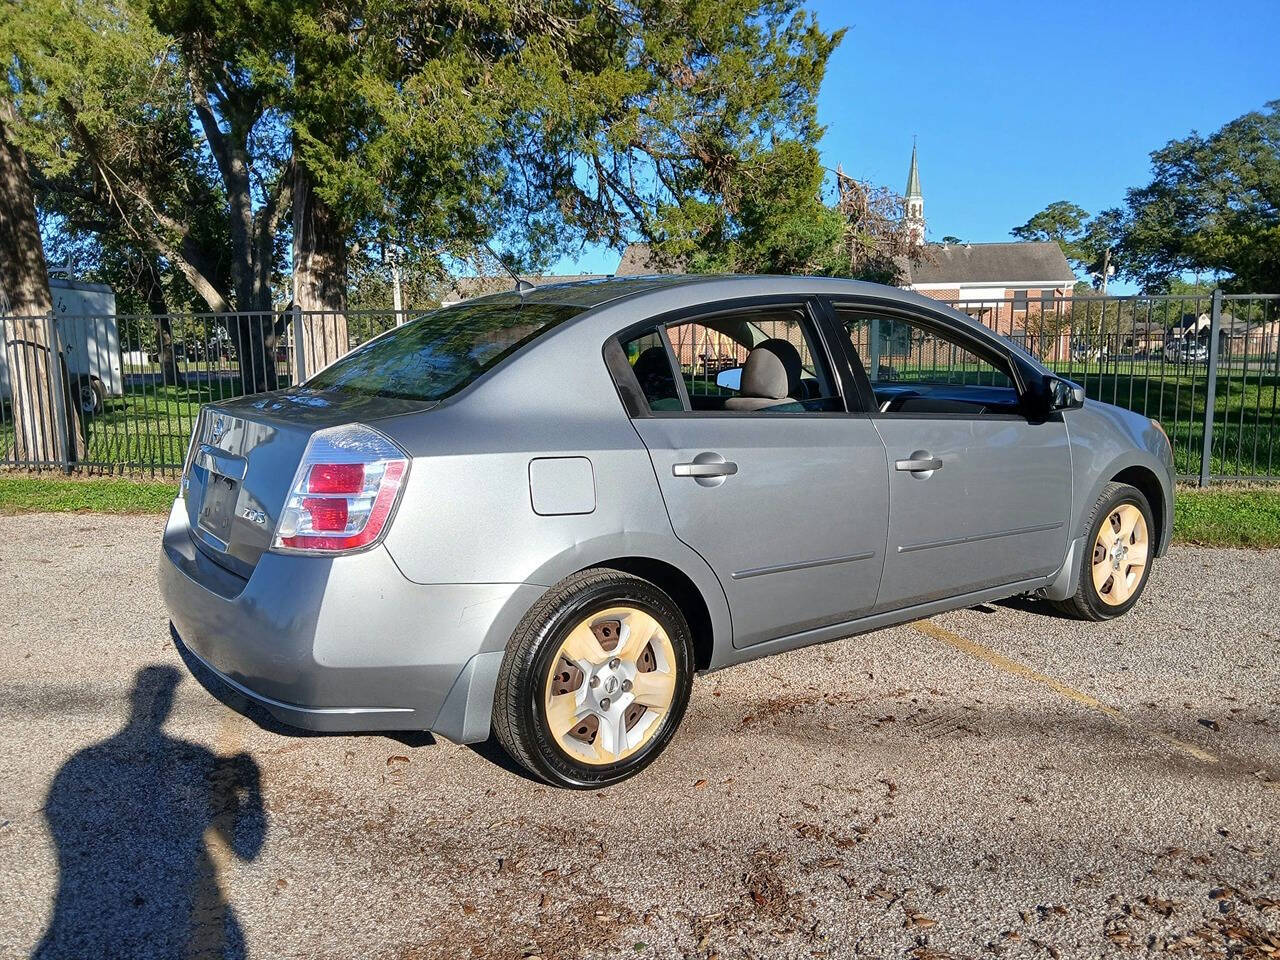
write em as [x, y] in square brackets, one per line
[997, 781]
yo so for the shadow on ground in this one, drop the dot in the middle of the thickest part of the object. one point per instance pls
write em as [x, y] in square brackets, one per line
[143, 822]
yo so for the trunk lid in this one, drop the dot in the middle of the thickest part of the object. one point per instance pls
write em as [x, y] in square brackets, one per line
[244, 454]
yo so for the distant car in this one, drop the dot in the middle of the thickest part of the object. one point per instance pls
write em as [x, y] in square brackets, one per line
[1083, 352]
[539, 515]
[1187, 351]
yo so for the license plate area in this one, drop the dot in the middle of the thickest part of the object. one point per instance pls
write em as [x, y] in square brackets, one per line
[218, 508]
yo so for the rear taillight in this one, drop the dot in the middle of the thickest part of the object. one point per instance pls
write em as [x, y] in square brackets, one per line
[344, 492]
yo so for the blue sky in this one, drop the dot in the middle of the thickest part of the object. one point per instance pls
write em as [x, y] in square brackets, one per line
[1018, 104]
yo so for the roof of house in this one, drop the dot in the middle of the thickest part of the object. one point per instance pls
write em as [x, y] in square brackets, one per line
[464, 288]
[638, 261]
[1197, 322]
[1018, 262]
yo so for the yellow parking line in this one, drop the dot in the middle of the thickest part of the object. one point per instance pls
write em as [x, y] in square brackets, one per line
[996, 659]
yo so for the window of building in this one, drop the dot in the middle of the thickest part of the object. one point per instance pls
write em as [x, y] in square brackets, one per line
[1020, 299]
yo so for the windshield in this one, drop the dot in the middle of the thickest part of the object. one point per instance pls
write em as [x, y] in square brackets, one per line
[439, 354]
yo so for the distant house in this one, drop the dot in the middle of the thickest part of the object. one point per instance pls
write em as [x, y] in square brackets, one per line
[464, 288]
[638, 261]
[1237, 336]
[1019, 278]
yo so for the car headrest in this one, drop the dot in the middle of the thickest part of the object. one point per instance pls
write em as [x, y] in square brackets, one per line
[772, 370]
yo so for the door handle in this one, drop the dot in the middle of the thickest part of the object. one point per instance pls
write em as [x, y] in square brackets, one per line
[707, 469]
[722, 468]
[920, 464]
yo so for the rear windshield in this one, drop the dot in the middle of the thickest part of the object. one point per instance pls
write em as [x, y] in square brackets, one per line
[439, 354]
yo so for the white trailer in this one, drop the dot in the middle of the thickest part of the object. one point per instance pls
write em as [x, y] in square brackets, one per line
[85, 315]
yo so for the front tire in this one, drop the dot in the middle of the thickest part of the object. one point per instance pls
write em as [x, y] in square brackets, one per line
[1115, 570]
[595, 680]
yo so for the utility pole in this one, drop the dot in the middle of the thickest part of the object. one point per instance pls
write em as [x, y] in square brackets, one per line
[392, 253]
[1107, 270]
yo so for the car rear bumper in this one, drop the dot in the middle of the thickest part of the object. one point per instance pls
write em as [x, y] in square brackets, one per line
[344, 643]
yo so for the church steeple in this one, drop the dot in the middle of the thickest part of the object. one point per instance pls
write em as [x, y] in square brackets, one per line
[913, 202]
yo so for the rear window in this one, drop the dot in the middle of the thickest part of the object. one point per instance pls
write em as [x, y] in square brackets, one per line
[439, 354]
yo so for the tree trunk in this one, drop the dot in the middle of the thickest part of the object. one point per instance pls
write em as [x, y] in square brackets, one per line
[159, 308]
[46, 426]
[319, 275]
[256, 337]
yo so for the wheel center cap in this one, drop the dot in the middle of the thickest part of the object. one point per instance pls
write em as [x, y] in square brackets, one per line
[611, 685]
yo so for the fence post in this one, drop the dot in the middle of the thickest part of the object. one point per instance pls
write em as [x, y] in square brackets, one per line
[1211, 386]
[299, 348]
[58, 394]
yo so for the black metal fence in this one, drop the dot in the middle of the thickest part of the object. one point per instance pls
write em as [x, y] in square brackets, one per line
[1207, 367]
[131, 386]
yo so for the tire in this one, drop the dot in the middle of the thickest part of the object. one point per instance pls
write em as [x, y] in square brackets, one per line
[1110, 583]
[551, 717]
[90, 396]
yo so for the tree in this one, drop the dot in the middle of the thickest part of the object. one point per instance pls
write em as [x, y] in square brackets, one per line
[1213, 205]
[1083, 239]
[46, 424]
[876, 242]
[212, 138]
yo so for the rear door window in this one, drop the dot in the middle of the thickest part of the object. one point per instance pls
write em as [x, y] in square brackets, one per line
[651, 365]
[712, 356]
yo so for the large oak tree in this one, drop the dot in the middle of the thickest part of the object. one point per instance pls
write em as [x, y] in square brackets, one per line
[208, 138]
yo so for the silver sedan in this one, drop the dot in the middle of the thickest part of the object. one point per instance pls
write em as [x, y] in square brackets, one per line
[538, 515]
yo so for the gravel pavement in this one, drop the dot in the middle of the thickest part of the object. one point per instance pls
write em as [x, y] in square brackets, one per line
[996, 781]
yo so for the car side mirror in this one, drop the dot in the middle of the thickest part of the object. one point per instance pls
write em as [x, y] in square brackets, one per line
[730, 379]
[1060, 394]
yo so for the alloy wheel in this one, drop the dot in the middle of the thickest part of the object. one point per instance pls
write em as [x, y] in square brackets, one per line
[611, 682]
[1120, 554]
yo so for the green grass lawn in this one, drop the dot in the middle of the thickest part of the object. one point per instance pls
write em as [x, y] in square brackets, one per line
[37, 493]
[1214, 517]
[144, 431]
[1227, 518]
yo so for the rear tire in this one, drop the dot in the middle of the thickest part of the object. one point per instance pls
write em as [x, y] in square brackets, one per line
[595, 680]
[1115, 568]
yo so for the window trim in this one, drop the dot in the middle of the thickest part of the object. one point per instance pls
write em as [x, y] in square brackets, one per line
[985, 347]
[813, 313]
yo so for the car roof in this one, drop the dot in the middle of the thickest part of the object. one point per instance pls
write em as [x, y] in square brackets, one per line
[589, 294]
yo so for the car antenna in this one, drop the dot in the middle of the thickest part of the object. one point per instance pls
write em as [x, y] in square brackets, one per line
[522, 286]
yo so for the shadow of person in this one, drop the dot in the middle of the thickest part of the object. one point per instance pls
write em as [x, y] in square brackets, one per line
[142, 823]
